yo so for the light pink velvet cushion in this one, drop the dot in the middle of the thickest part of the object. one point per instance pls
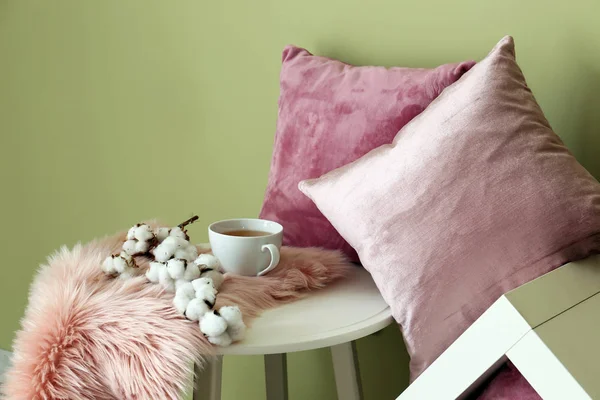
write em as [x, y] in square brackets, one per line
[476, 196]
[331, 113]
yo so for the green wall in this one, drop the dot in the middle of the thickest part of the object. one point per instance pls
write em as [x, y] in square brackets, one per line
[116, 111]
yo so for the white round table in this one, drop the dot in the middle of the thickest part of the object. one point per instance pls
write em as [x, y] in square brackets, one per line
[332, 317]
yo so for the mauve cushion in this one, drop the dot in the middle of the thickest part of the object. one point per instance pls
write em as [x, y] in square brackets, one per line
[331, 113]
[474, 197]
[508, 384]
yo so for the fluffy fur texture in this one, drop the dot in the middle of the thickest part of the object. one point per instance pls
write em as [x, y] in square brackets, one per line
[300, 270]
[86, 336]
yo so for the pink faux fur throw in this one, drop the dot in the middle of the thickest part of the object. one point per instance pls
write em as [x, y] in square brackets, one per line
[86, 336]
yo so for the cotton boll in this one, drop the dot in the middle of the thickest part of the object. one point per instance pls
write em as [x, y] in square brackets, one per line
[167, 249]
[161, 234]
[124, 255]
[134, 247]
[235, 324]
[175, 242]
[183, 254]
[120, 264]
[176, 268]
[191, 272]
[209, 260]
[186, 289]
[186, 254]
[108, 266]
[129, 247]
[131, 232]
[153, 273]
[142, 247]
[165, 280]
[237, 333]
[223, 340]
[181, 303]
[208, 293]
[179, 233]
[192, 252]
[232, 314]
[163, 274]
[196, 309]
[170, 241]
[212, 324]
[144, 233]
[216, 277]
[181, 243]
[205, 290]
[200, 283]
[163, 252]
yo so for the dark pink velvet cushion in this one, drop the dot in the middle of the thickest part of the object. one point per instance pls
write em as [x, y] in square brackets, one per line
[330, 114]
[509, 384]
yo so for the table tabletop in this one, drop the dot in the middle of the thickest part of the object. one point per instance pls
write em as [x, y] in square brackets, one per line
[344, 311]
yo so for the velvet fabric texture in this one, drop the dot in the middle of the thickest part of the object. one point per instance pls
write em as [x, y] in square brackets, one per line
[87, 336]
[509, 384]
[476, 196]
[331, 113]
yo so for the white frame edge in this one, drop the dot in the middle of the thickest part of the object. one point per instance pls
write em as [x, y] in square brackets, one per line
[507, 329]
[544, 371]
[475, 354]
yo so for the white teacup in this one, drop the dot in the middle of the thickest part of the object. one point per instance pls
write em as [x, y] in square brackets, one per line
[246, 246]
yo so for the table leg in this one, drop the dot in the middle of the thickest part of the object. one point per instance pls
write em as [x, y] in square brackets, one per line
[276, 376]
[345, 368]
[207, 384]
